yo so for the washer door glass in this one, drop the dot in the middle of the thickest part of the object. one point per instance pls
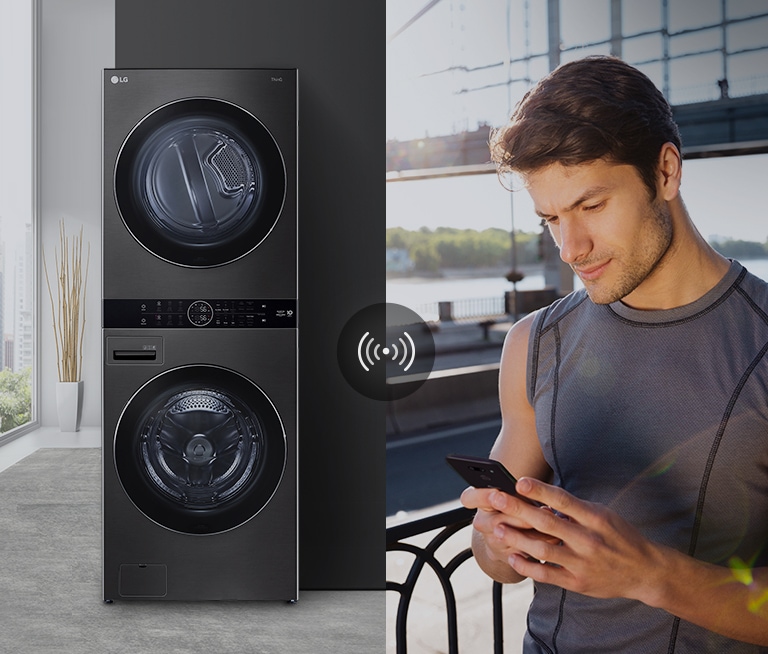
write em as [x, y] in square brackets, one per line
[200, 182]
[200, 449]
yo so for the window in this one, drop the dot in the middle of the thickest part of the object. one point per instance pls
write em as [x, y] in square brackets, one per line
[18, 259]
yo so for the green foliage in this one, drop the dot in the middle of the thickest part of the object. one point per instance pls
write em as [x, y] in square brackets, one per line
[447, 247]
[15, 398]
[396, 239]
[425, 257]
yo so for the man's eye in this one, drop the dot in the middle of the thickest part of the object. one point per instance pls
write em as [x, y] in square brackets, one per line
[594, 207]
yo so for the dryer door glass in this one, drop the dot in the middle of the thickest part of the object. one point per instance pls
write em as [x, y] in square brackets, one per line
[200, 182]
[200, 449]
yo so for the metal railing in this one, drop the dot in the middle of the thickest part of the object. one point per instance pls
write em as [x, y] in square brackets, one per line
[460, 310]
[483, 308]
[449, 522]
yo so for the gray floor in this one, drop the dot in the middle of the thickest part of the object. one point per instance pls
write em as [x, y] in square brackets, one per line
[50, 584]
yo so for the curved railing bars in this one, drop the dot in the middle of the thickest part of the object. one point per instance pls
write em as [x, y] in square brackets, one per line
[450, 522]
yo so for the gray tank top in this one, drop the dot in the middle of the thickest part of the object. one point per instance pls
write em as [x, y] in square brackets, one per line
[662, 416]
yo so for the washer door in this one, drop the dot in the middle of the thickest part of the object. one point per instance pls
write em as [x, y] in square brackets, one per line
[200, 449]
[200, 182]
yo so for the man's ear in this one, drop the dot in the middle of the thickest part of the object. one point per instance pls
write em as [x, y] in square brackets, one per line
[670, 172]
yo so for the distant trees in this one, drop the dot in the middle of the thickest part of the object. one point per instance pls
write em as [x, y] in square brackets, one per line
[737, 249]
[15, 398]
[447, 247]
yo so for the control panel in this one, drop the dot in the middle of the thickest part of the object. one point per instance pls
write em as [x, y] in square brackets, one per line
[196, 314]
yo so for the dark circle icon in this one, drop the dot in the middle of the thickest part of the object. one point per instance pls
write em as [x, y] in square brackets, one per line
[386, 351]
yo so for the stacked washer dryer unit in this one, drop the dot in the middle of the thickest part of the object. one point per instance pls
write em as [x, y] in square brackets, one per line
[200, 334]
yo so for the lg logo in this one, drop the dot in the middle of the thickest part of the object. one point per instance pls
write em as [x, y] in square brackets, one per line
[118, 80]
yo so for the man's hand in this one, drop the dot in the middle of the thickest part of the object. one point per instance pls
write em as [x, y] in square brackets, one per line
[590, 549]
[594, 551]
[497, 515]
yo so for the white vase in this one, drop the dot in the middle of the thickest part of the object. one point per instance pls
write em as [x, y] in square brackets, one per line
[69, 405]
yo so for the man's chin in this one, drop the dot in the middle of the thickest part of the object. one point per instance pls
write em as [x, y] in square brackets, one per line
[601, 295]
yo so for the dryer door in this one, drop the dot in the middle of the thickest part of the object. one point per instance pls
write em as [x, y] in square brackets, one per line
[200, 182]
[200, 449]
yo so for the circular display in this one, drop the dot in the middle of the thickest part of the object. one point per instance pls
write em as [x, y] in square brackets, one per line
[200, 313]
[200, 182]
[200, 449]
[386, 351]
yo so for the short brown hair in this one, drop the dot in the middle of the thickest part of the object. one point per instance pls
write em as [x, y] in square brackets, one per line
[594, 108]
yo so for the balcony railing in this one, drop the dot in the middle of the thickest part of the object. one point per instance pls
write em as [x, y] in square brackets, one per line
[474, 309]
[449, 523]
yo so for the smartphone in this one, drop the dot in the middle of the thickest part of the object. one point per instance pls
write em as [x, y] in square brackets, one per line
[484, 473]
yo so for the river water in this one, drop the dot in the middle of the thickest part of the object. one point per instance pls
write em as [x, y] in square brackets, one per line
[419, 293]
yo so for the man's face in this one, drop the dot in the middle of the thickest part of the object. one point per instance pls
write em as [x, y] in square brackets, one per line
[602, 219]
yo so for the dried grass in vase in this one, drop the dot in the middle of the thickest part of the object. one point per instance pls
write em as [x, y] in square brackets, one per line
[68, 310]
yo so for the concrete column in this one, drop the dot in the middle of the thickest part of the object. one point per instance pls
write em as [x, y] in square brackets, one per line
[553, 13]
[557, 275]
[665, 46]
[616, 36]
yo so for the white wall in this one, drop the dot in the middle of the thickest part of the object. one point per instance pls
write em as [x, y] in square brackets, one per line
[77, 41]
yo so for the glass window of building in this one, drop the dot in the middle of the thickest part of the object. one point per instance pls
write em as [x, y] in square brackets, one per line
[17, 219]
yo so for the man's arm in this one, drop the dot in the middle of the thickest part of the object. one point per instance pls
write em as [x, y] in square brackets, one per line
[518, 448]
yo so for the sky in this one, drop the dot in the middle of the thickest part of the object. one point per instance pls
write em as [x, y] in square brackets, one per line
[446, 74]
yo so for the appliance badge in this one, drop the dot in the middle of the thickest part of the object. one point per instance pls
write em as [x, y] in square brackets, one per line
[118, 80]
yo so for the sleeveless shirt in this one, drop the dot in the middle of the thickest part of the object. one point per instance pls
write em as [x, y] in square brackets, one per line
[663, 417]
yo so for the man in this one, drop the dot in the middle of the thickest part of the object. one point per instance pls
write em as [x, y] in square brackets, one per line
[636, 409]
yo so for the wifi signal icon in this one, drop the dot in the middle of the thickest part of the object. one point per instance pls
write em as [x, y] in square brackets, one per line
[368, 350]
[385, 351]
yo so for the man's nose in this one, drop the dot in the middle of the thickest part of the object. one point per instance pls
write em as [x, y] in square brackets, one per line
[574, 241]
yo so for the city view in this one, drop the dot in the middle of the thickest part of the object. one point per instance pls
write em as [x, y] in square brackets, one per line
[17, 326]
[17, 259]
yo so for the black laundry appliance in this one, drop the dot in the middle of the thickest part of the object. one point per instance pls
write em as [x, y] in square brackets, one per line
[200, 335]
[199, 477]
[200, 173]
